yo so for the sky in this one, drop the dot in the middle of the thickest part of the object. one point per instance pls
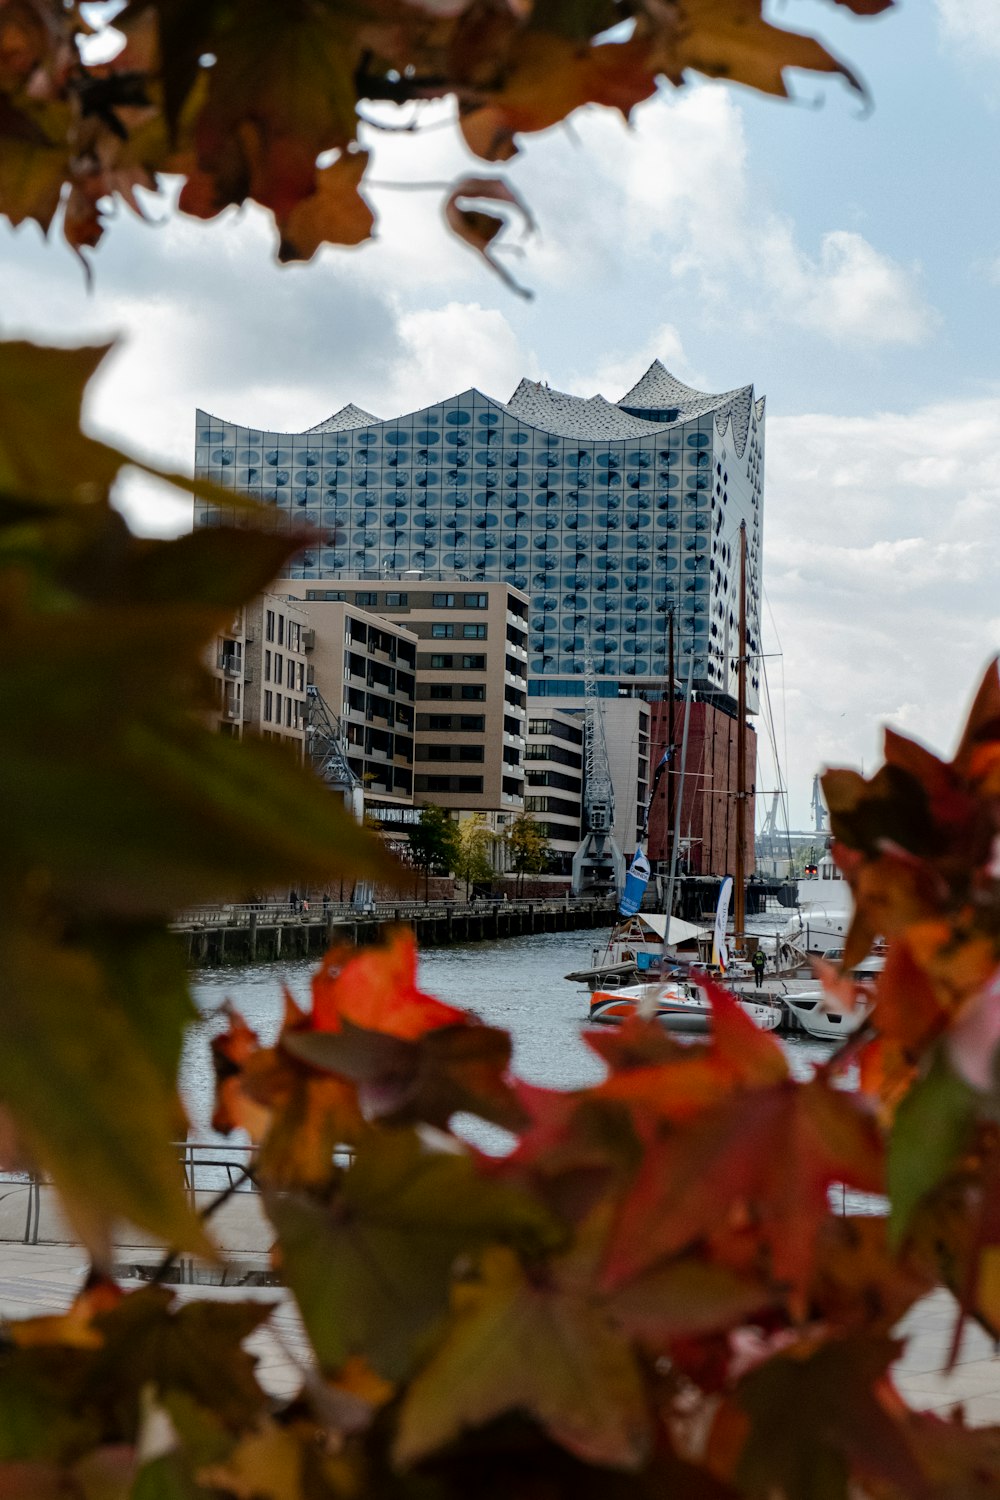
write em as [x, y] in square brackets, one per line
[843, 256]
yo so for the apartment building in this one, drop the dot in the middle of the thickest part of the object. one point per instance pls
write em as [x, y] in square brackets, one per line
[471, 685]
[258, 666]
[554, 781]
[365, 668]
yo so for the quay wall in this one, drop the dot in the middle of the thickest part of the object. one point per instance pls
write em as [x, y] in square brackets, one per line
[258, 933]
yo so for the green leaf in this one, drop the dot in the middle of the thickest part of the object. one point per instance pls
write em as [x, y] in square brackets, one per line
[124, 801]
[97, 1112]
[932, 1127]
[371, 1268]
[525, 1345]
[43, 454]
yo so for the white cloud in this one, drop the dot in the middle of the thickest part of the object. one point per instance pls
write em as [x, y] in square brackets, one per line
[974, 25]
[881, 539]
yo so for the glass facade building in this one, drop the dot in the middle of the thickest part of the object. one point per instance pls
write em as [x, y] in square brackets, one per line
[609, 515]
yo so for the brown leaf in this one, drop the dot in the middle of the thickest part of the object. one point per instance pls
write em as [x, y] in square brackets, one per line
[335, 214]
[480, 229]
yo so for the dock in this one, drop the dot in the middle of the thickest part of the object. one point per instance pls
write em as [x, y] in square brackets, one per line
[258, 932]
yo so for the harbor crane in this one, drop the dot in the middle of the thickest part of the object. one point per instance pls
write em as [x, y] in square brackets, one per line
[326, 748]
[598, 864]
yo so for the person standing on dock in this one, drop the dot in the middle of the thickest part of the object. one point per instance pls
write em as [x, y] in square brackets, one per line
[758, 961]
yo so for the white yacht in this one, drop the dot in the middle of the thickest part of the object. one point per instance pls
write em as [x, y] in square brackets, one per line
[818, 1015]
[825, 908]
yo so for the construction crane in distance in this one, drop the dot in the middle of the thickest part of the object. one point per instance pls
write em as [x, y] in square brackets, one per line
[326, 750]
[598, 864]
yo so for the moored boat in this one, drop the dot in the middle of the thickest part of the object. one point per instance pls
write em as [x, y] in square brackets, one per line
[678, 1006]
[819, 1015]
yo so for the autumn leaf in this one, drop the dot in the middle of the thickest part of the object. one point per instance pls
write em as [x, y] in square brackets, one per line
[843, 1426]
[334, 214]
[376, 988]
[770, 1153]
[479, 229]
[933, 1125]
[370, 1265]
[517, 1344]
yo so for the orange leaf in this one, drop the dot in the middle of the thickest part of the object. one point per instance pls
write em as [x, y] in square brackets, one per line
[377, 989]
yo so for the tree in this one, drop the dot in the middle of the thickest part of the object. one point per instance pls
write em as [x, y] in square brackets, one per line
[648, 1295]
[264, 101]
[473, 858]
[433, 843]
[530, 850]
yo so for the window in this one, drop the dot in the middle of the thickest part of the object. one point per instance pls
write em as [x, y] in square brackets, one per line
[441, 661]
[327, 594]
[472, 663]
[288, 713]
[474, 632]
[443, 601]
[281, 630]
[472, 723]
[277, 708]
[442, 632]
[473, 692]
[393, 601]
[269, 631]
[294, 637]
[366, 598]
[475, 601]
[279, 668]
[439, 690]
[267, 705]
[439, 721]
[267, 666]
[300, 684]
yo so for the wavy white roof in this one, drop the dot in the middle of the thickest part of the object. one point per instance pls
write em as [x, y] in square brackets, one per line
[575, 416]
[593, 418]
[345, 419]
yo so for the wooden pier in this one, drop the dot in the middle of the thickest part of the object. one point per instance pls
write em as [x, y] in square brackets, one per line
[263, 932]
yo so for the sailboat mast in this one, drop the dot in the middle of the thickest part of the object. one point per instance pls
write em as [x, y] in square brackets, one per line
[739, 880]
[671, 770]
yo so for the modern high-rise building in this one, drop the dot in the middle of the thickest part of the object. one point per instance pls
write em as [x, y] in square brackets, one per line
[610, 516]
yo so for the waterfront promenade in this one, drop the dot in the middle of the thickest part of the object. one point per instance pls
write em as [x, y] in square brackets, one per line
[37, 1279]
[257, 931]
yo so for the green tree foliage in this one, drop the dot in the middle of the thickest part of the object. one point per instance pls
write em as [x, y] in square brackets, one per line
[433, 842]
[474, 852]
[530, 850]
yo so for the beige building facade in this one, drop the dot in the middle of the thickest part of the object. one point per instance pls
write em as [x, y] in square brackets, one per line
[364, 666]
[258, 669]
[471, 685]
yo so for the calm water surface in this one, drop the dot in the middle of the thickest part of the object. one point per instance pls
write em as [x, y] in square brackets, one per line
[516, 984]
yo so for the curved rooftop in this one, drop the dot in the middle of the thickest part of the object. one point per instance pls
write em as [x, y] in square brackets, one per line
[656, 403]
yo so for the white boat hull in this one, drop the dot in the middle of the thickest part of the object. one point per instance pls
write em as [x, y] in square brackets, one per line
[679, 1009]
[814, 1015]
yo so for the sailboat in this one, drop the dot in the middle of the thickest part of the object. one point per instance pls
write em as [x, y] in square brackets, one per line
[674, 1000]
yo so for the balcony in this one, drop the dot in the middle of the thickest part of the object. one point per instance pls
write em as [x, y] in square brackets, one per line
[231, 665]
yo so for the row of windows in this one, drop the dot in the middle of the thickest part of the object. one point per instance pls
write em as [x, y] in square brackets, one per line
[469, 692]
[445, 631]
[556, 753]
[473, 753]
[448, 784]
[554, 727]
[281, 709]
[453, 663]
[275, 630]
[552, 805]
[274, 671]
[463, 723]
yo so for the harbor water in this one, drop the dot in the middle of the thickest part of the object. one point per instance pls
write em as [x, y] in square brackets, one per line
[517, 984]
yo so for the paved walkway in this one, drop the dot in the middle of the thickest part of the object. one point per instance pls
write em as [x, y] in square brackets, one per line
[37, 1279]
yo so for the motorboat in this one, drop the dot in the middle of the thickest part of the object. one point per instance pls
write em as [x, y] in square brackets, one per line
[678, 1005]
[818, 1014]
